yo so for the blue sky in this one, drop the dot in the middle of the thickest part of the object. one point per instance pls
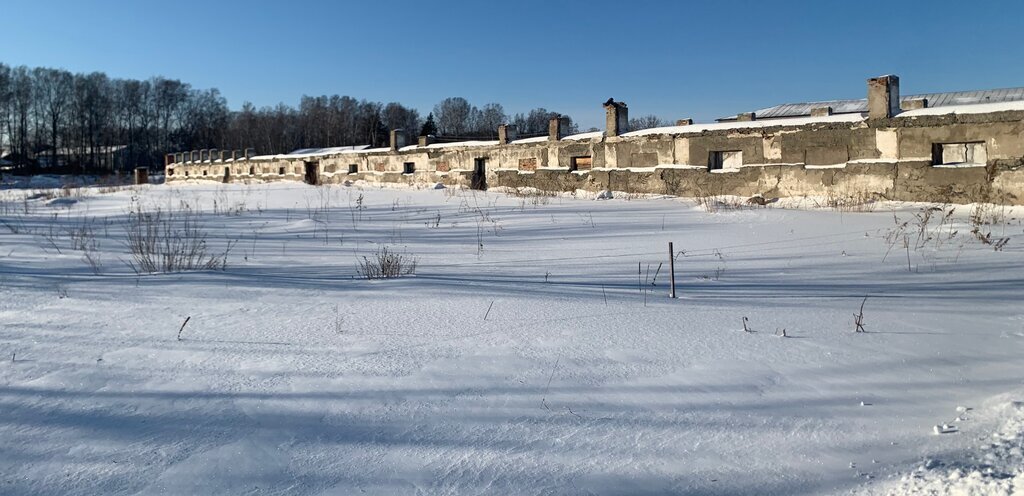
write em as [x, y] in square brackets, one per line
[672, 59]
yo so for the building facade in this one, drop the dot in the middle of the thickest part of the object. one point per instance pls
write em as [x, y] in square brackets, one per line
[957, 149]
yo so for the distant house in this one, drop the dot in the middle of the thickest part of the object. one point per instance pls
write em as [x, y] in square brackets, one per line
[6, 162]
[110, 157]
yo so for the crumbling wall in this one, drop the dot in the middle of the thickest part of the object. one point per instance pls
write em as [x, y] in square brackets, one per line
[885, 158]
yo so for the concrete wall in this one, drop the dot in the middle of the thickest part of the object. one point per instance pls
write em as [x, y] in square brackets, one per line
[885, 158]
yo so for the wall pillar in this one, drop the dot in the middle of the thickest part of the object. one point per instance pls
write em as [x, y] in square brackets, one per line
[397, 139]
[558, 127]
[883, 97]
[506, 133]
[426, 140]
[616, 118]
[250, 153]
[555, 128]
[684, 122]
[746, 117]
[914, 104]
[821, 111]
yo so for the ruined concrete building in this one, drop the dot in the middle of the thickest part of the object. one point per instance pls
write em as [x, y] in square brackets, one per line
[949, 147]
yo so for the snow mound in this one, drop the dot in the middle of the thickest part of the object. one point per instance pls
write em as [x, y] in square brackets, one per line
[996, 467]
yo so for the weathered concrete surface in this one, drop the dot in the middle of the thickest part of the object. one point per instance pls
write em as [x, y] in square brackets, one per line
[887, 157]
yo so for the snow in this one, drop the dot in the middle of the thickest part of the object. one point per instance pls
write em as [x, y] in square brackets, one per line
[521, 357]
[584, 136]
[322, 152]
[463, 144]
[958, 165]
[536, 139]
[979, 108]
[453, 144]
[755, 124]
[995, 466]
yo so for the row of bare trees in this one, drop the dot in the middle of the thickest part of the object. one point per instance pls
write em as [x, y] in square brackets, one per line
[328, 121]
[54, 116]
[73, 119]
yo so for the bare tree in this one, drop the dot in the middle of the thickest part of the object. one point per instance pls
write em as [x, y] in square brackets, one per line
[54, 92]
[453, 116]
[397, 116]
[536, 122]
[490, 117]
[21, 108]
[647, 122]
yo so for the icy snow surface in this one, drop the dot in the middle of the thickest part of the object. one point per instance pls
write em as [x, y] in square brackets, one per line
[526, 355]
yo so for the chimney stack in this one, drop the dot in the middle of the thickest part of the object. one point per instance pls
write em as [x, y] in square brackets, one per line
[616, 118]
[821, 111]
[506, 133]
[914, 104]
[556, 127]
[883, 97]
[397, 139]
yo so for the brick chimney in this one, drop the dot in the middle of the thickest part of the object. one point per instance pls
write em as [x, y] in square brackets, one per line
[506, 133]
[557, 126]
[883, 97]
[397, 139]
[821, 111]
[616, 118]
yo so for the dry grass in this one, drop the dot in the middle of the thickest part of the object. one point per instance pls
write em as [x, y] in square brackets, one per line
[386, 264]
[162, 241]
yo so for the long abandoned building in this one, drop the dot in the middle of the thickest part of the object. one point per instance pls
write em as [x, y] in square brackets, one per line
[957, 147]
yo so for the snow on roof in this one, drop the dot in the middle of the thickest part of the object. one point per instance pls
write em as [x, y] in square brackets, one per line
[981, 108]
[448, 145]
[318, 152]
[329, 151]
[792, 121]
[463, 143]
[585, 136]
[977, 108]
[951, 98]
[536, 139]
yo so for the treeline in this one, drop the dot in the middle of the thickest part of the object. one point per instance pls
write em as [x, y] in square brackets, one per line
[328, 121]
[52, 117]
[76, 120]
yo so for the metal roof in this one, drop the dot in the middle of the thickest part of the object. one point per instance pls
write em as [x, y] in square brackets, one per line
[861, 105]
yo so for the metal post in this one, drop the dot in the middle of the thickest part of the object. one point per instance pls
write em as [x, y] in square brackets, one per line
[671, 271]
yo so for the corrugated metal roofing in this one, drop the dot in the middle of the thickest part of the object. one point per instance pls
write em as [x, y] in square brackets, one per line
[861, 105]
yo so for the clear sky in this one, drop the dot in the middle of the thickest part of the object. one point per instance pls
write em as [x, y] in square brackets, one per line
[673, 59]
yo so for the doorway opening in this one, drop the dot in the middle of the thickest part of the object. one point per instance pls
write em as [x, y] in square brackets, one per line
[312, 172]
[479, 180]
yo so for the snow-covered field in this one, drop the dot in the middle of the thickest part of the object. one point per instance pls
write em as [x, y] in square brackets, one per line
[534, 350]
